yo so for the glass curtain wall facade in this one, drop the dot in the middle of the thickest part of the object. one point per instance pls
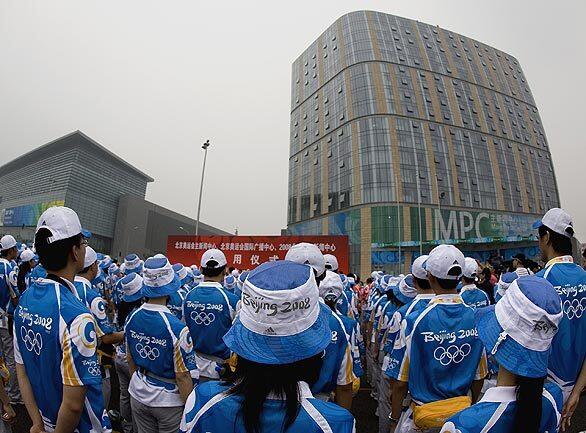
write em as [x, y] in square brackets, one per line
[404, 134]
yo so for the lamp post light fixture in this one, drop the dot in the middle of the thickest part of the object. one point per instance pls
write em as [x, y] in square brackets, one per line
[205, 154]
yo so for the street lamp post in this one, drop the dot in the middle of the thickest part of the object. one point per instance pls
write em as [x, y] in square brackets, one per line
[205, 154]
[440, 197]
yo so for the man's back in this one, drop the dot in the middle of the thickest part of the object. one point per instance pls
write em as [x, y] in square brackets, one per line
[443, 352]
[569, 344]
[208, 312]
[56, 343]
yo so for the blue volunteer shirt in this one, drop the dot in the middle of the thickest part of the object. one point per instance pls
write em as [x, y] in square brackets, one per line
[175, 303]
[474, 297]
[209, 311]
[352, 329]
[95, 303]
[210, 409]
[438, 351]
[416, 305]
[55, 340]
[337, 365]
[495, 412]
[568, 348]
[161, 347]
[7, 284]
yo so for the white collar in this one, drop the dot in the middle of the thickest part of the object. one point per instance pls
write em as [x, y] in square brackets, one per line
[500, 394]
[69, 284]
[80, 279]
[468, 287]
[559, 259]
[304, 392]
[209, 284]
[155, 307]
[449, 298]
[3, 260]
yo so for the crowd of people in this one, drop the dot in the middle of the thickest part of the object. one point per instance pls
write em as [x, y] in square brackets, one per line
[450, 347]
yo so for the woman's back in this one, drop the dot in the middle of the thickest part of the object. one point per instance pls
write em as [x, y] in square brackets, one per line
[211, 408]
[495, 412]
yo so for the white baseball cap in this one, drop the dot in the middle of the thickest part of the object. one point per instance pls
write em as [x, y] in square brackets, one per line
[7, 242]
[445, 262]
[216, 255]
[307, 254]
[331, 262]
[90, 257]
[417, 269]
[331, 285]
[557, 220]
[27, 255]
[62, 222]
[470, 268]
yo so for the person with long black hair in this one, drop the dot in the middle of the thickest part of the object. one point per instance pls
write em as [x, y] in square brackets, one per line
[517, 332]
[279, 338]
[27, 264]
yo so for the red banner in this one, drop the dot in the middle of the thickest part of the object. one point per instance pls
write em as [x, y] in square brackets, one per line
[247, 252]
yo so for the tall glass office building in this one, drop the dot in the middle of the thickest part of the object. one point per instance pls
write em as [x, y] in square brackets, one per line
[404, 135]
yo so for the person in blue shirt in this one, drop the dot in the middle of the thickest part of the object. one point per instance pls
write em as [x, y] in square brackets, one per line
[341, 357]
[160, 354]
[415, 305]
[209, 310]
[336, 370]
[55, 335]
[197, 276]
[239, 283]
[230, 283]
[88, 294]
[279, 343]
[440, 355]
[132, 299]
[472, 295]
[518, 332]
[175, 300]
[8, 300]
[26, 265]
[568, 353]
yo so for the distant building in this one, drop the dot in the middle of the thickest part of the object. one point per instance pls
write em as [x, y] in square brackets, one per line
[78, 172]
[405, 134]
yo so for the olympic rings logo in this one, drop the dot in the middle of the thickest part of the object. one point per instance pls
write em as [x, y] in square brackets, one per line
[202, 318]
[452, 354]
[147, 352]
[94, 370]
[32, 341]
[574, 308]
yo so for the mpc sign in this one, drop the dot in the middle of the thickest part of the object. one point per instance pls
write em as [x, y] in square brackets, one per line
[465, 225]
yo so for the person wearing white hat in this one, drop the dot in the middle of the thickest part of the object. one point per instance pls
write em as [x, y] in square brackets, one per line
[568, 353]
[209, 310]
[25, 267]
[132, 298]
[413, 307]
[91, 298]
[337, 372]
[279, 352]
[308, 254]
[518, 333]
[472, 295]
[160, 354]
[8, 299]
[441, 357]
[56, 337]
[331, 262]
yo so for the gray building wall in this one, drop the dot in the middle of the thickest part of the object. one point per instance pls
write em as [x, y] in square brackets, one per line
[142, 227]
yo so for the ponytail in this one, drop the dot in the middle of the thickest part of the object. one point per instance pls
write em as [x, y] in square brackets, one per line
[528, 412]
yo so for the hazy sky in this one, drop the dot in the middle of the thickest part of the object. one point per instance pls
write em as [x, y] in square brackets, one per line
[152, 81]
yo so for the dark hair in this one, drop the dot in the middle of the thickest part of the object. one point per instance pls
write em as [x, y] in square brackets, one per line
[54, 256]
[86, 269]
[446, 284]
[231, 268]
[4, 253]
[254, 382]
[23, 269]
[528, 411]
[561, 244]
[422, 283]
[468, 280]
[125, 308]
[210, 270]
[393, 299]
[369, 280]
